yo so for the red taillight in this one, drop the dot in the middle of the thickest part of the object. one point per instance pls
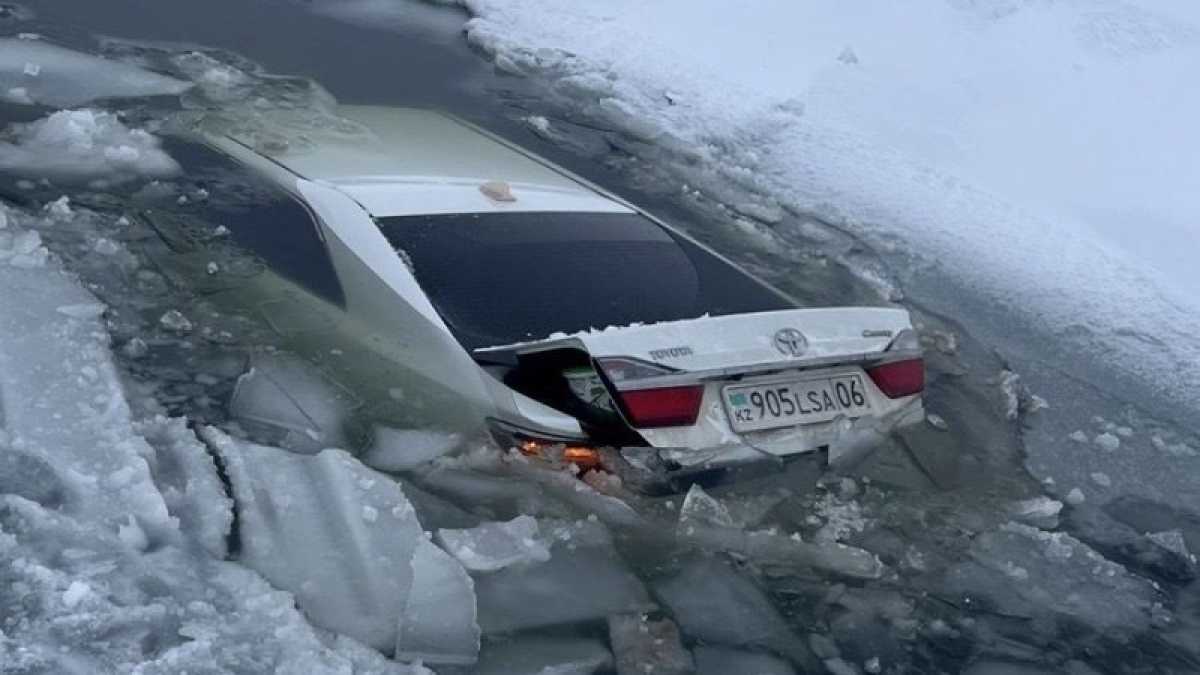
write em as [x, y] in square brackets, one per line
[899, 378]
[664, 407]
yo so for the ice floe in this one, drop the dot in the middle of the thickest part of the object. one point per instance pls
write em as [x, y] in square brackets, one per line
[34, 71]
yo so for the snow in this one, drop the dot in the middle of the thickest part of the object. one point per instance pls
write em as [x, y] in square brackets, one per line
[496, 545]
[1041, 153]
[1107, 442]
[76, 472]
[83, 145]
[33, 71]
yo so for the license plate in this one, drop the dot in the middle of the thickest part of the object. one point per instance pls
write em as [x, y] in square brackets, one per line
[754, 407]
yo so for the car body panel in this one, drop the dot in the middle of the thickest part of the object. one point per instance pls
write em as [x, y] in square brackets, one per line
[403, 161]
[723, 350]
[736, 340]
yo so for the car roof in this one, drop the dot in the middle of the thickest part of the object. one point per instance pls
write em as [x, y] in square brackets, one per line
[410, 161]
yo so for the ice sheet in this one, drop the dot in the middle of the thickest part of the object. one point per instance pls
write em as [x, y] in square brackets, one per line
[1015, 148]
[33, 71]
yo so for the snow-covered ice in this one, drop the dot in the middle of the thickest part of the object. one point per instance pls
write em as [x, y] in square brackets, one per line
[84, 145]
[34, 71]
[1042, 153]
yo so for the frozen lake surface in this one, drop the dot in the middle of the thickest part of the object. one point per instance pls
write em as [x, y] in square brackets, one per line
[1003, 536]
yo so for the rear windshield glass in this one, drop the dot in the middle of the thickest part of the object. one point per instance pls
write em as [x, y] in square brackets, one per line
[499, 278]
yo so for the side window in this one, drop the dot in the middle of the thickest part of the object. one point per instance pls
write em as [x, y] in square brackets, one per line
[266, 221]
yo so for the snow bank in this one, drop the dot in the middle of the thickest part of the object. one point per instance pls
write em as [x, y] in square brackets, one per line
[1040, 152]
[84, 145]
[32, 71]
[108, 540]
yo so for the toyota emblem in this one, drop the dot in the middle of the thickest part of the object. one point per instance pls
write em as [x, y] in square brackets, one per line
[791, 342]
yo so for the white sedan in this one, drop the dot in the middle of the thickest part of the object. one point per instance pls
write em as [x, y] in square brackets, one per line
[568, 321]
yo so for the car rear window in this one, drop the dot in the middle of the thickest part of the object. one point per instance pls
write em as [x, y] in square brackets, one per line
[499, 278]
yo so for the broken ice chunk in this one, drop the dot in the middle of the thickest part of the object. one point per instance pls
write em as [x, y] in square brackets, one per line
[438, 622]
[1039, 511]
[583, 584]
[1107, 442]
[175, 320]
[1065, 577]
[715, 604]
[405, 449]
[701, 509]
[1075, 497]
[494, 546]
[543, 656]
[378, 581]
[648, 646]
[1173, 541]
[723, 661]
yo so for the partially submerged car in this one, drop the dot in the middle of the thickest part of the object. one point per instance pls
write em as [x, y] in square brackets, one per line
[511, 293]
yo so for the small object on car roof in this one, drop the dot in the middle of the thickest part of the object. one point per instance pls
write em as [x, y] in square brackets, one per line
[497, 191]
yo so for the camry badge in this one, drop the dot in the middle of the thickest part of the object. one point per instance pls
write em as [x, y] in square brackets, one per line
[791, 342]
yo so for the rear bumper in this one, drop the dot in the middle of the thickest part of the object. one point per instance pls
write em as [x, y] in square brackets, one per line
[847, 443]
